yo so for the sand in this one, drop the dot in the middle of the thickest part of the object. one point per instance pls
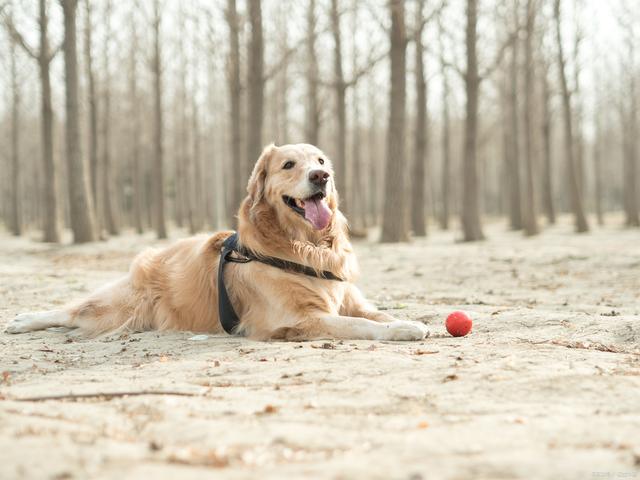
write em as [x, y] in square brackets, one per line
[546, 386]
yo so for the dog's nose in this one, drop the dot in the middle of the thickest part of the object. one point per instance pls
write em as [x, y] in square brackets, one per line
[318, 177]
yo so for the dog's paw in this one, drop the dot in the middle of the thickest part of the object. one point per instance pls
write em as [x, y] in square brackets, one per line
[23, 322]
[403, 330]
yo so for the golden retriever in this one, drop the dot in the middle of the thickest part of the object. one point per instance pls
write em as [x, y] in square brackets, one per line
[291, 213]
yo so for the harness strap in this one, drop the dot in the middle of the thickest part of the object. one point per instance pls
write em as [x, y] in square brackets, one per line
[227, 315]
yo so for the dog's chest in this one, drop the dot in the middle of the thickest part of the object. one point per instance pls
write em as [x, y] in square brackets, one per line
[292, 292]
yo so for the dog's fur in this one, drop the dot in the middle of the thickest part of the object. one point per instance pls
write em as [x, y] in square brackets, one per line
[176, 288]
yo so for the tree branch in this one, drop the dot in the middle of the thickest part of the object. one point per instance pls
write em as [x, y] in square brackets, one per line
[373, 61]
[105, 395]
[426, 20]
[279, 64]
[55, 51]
[454, 67]
[8, 21]
[498, 59]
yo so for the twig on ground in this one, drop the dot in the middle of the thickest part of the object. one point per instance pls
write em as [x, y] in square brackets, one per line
[601, 347]
[107, 395]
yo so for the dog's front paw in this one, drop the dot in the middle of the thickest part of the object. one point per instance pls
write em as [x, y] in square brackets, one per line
[22, 323]
[403, 330]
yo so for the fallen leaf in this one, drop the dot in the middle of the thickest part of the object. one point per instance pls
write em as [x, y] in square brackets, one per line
[423, 425]
[269, 409]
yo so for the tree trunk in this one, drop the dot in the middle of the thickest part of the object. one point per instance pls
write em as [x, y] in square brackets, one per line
[547, 179]
[255, 89]
[529, 207]
[471, 225]
[134, 117]
[284, 74]
[50, 198]
[80, 200]
[312, 123]
[158, 180]
[630, 169]
[580, 219]
[418, 223]
[357, 181]
[597, 165]
[15, 221]
[630, 134]
[93, 112]
[373, 152]
[446, 139]
[108, 195]
[513, 137]
[182, 177]
[197, 190]
[340, 87]
[394, 220]
[236, 172]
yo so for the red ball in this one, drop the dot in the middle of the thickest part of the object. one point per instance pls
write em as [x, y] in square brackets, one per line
[458, 324]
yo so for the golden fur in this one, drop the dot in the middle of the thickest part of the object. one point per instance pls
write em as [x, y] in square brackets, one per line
[176, 288]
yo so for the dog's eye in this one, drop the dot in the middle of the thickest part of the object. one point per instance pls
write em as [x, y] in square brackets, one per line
[321, 161]
[288, 165]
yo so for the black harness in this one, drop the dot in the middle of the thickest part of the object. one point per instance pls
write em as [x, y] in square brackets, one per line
[233, 253]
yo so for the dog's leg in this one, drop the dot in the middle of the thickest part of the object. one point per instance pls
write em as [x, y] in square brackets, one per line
[352, 328]
[29, 322]
[356, 305]
[108, 308]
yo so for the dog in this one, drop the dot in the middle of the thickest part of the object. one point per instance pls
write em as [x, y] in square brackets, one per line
[290, 213]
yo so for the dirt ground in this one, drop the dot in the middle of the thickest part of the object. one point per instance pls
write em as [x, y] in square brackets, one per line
[546, 386]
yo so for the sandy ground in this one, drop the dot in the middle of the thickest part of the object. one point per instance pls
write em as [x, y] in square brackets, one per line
[546, 386]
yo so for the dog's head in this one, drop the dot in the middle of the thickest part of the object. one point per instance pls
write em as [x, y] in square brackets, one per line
[297, 182]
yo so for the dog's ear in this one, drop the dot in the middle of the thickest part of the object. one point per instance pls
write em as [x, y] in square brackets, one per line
[255, 187]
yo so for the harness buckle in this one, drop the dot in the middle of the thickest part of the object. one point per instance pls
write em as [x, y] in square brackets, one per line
[230, 257]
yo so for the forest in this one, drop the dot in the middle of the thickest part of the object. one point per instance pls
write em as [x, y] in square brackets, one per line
[148, 115]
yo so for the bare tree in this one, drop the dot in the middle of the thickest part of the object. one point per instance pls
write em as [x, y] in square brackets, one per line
[529, 206]
[357, 179]
[471, 226]
[629, 115]
[446, 135]
[182, 160]
[283, 74]
[196, 190]
[43, 56]
[512, 128]
[235, 89]
[340, 88]
[134, 117]
[547, 174]
[15, 220]
[394, 220]
[255, 88]
[312, 122]
[158, 170]
[580, 219]
[373, 151]
[597, 163]
[418, 197]
[108, 196]
[93, 109]
[80, 200]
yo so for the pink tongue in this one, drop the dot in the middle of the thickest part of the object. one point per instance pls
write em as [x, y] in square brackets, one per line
[317, 212]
